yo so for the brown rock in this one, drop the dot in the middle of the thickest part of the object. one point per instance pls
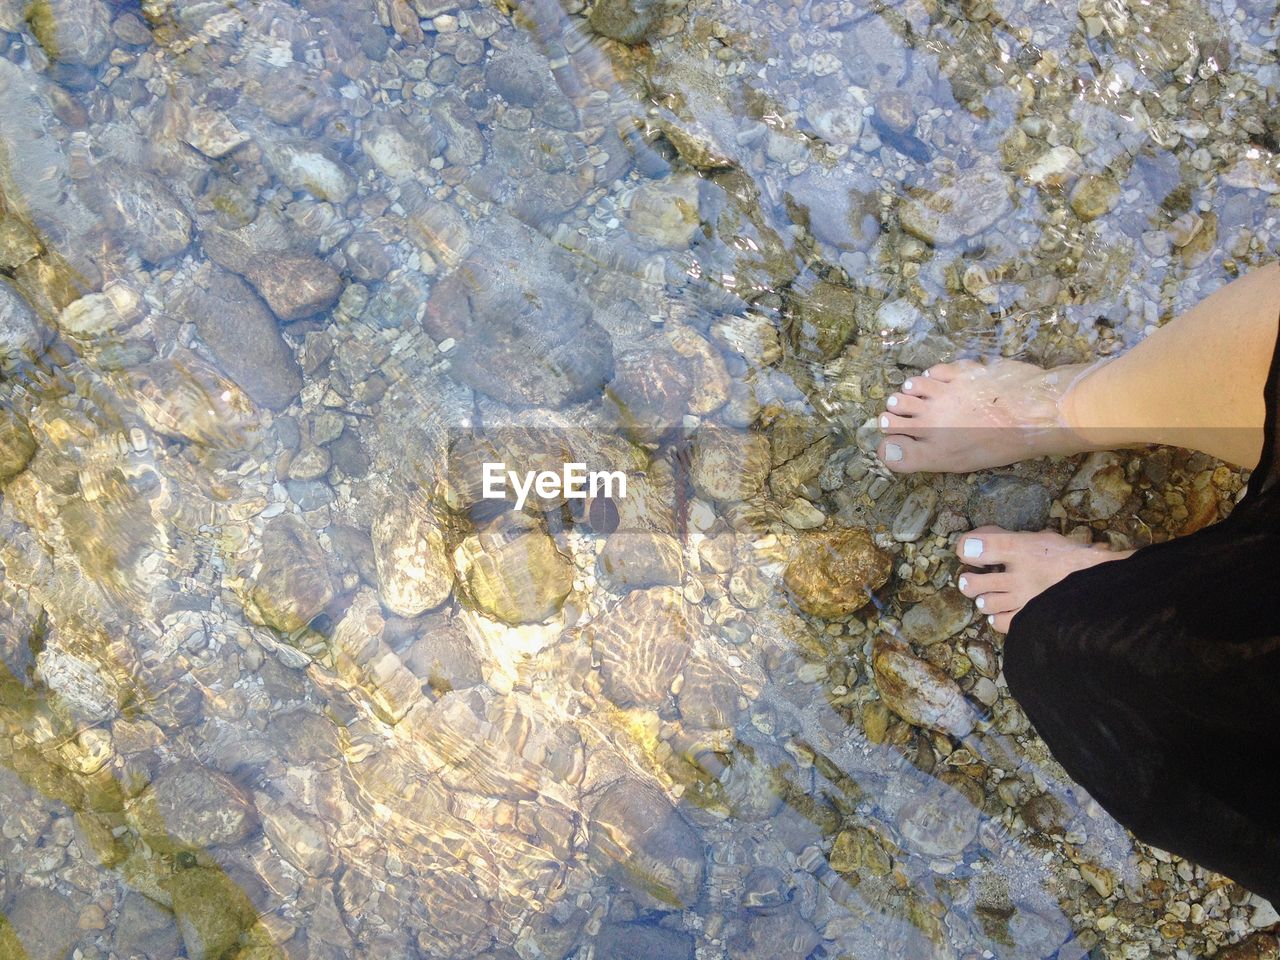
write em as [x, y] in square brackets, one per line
[293, 584]
[919, 692]
[295, 286]
[832, 573]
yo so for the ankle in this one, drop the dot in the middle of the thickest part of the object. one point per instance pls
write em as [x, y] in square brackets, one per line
[1083, 412]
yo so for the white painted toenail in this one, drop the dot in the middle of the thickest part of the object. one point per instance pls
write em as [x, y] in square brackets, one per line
[892, 453]
[973, 547]
[980, 603]
[884, 423]
[892, 402]
[907, 385]
[964, 583]
[991, 619]
[926, 373]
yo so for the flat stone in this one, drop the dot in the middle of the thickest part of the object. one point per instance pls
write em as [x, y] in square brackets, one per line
[938, 617]
[1013, 503]
[641, 558]
[664, 214]
[212, 132]
[942, 819]
[18, 244]
[915, 515]
[212, 911]
[142, 211]
[44, 922]
[824, 317]
[1054, 168]
[641, 842]
[17, 445]
[145, 927]
[244, 338]
[292, 585]
[628, 21]
[918, 691]
[23, 336]
[513, 571]
[295, 285]
[413, 570]
[72, 31]
[1094, 196]
[301, 165]
[832, 573]
[963, 208]
[728, 465]
[643, 941]
[190, 805]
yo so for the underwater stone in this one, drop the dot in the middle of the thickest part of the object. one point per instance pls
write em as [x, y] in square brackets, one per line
[824, 318]
[295, 286]
[1010, 502]
[243, 337]
[919, 692]
[191, 805]
[1094, 196]
[640, 558]
[727, 464]
[642, 843]
[628, 21]
[966, 206]
[832, 573]
[938, 616]
[513, 571]
[409, 550]
[23, 336]
[942, 819]
[17, 445]
[293, 584]
[72, 31]
[641, 643]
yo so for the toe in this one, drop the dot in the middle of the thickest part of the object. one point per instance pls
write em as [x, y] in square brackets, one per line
[976, 584]
[985, 546]
[905, 405]
[892, 423]
[1000, 622]
[900, 453]
[946, 372]
[921, 386]
[996, 604]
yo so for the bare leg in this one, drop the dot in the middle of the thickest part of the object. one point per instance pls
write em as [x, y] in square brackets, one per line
[1197, 382]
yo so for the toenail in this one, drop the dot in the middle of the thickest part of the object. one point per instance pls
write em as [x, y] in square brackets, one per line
[884, 423]
[892, 453]
[981, 603]
[907, 385]
[892, 402]
[991, 619]
[964, 583]
[926, 373]
[973, 547]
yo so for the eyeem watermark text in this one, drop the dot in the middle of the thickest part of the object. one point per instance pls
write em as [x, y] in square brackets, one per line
[573, 482]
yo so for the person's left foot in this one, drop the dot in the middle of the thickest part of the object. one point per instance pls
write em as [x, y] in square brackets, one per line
[1032, 562]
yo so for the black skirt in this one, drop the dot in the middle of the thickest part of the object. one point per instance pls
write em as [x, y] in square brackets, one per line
[1155, 681]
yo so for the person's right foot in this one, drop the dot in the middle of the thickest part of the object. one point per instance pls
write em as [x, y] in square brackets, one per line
[1032, 562]
[966, 416]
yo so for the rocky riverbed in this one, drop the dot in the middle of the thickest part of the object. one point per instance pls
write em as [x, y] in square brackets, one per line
[278, 278]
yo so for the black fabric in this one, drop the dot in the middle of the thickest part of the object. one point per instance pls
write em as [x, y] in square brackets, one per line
[1155, 681]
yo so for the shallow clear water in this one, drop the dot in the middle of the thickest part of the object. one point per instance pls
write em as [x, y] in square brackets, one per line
[278, 279]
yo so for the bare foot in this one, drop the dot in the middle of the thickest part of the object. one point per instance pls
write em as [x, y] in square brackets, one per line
[1033, 562]
[964, 416]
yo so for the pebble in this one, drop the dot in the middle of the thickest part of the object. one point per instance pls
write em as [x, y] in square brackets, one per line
[1013, 503]
[938, 617]
[915, 515]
